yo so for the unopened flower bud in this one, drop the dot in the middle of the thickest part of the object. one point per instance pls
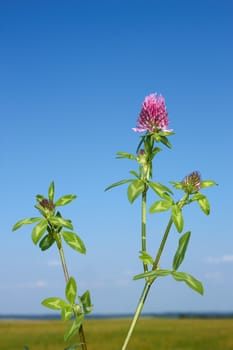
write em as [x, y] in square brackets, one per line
[45, 203]
[192, 182]
[141, 152]
[142, 157]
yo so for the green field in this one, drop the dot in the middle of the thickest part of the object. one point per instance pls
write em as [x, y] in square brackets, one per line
[103, 334]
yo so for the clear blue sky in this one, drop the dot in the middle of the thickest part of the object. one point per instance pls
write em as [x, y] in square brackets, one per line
[73, 75]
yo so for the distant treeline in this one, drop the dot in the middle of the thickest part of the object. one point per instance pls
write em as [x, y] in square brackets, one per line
[115, 316]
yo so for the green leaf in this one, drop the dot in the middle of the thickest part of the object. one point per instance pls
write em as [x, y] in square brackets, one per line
[202, 202]
[74, 241]
[197, 196]
[146, 258]
[165, 141]
[189, 280]
[208, 183]
[177, 185]
[181, 250]
[161, 190]
[74, 327]
[204, 205]
[55, 303]
[119, 183]
[71, 290]
[166, 133]
[134, 173]
[24, 222]
[60, 222]
[39, 197]
[51, 192]
[177, 217]
[135, 189]
[46, 242]
[41, 209]
[86, 302]
[65, 200]
[160, 206]
[155, 151]
[39, 230]
[66, 313]
[156, 136]
[125, 155]
[153, 274]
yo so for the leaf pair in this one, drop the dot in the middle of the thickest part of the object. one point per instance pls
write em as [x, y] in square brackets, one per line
[37, 231]
[135, 188]
[191, 281]
[43, 225]
[177, 260]
[69, 308]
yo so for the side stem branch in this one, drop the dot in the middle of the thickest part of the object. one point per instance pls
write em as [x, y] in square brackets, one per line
[66, 274]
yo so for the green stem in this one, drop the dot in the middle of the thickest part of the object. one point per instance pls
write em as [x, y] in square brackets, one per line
[143, 227]
[181, 203]
[162, 244]
[148, 283]
[147, 286]
[63, 261]
[66, 274]
[137, 313]
[82, 337]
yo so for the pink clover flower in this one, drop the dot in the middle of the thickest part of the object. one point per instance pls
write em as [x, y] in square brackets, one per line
[153, 115]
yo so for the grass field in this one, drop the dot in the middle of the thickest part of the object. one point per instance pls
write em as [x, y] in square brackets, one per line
[103, 334]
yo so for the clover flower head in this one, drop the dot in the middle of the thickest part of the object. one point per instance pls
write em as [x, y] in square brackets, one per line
[153, 115]
[192, 182]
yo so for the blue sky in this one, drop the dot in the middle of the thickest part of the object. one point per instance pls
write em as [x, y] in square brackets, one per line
[73, 77]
